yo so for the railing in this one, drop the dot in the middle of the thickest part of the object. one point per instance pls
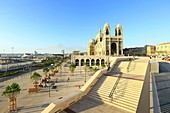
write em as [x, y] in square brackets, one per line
[115, 86]
[129, 65]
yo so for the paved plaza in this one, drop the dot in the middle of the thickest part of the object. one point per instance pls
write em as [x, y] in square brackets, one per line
[36, 102]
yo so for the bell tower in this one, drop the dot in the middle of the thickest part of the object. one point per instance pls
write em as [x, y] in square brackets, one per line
[118, 30]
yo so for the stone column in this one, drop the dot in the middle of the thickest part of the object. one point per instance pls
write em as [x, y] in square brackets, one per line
[79, 62]
[117, 48]
[100, 62]
[122, 47]
[110, 47]
[89, 62]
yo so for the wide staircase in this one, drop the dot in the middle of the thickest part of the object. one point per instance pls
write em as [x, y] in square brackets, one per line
[123, 93]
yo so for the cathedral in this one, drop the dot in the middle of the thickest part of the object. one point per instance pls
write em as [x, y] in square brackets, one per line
[105, 43]
[103, 48]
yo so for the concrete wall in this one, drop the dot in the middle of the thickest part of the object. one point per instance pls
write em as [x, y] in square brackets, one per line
[144, 102]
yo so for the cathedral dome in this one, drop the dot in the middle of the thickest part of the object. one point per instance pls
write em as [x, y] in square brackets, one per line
[92, 41]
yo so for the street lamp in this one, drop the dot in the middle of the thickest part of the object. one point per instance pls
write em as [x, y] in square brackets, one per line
[85, 74]
[49, 83]
[30, 70]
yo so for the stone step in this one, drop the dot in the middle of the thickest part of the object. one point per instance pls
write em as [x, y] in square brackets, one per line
[135, 90]
[133, 96]
[128, 98]
[123, 105]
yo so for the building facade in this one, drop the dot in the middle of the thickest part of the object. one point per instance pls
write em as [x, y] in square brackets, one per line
[105, 43]
[151, 50]
[100, 50]
[163, 49]
[135, 51]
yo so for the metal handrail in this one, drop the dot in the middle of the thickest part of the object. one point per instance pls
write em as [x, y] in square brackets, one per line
[115, 86]
[129, 65]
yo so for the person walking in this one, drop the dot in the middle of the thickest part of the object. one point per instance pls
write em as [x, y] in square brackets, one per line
[108, 67]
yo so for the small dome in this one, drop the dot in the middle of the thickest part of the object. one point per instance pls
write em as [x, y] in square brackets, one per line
[92, 41]
[118, 26]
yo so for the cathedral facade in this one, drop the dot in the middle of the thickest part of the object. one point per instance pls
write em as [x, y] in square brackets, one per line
[103, 48]
[105, 43]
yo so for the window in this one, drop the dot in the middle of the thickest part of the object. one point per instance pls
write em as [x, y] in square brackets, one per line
[107, 32]
[120, 32]
[100, 39]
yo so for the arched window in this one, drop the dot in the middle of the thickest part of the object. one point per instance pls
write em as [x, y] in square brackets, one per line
[77, 62]
[120, 32]
[88, 62]
[82, 62]
[92, 62]
[91, 50]
[107, 52]
[115, 32]
[107, 31]
[102, 61]
[97, 62]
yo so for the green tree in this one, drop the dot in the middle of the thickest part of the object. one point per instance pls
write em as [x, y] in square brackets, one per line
[34, 63]
[52, 70]
[103, 65]
[72, 68]
[97, 64]
[86, 66]
[11, 93]
[35, 77]
[95, 70]
[46, 70]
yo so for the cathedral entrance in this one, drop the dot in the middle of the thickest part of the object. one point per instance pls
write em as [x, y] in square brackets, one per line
[113, 49]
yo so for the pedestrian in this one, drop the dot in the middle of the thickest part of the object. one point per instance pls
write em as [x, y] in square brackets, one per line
[108, 67]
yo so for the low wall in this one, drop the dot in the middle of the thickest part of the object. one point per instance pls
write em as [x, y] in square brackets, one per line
[69, 100]
[144, 101]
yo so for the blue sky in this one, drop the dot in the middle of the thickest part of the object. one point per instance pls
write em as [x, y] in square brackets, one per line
[50, 26]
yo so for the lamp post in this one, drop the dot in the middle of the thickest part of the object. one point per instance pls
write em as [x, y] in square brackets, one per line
[85, 74]
[30, 70]
[49, 83]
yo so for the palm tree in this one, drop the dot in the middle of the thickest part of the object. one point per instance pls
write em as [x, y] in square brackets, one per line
[35, 76]
[86, 66]
[97, 64]
[95, 70]
[72, 68]
[46, 70]
[103, 65]
[11, 93]
[59, 68]
[52, 70]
